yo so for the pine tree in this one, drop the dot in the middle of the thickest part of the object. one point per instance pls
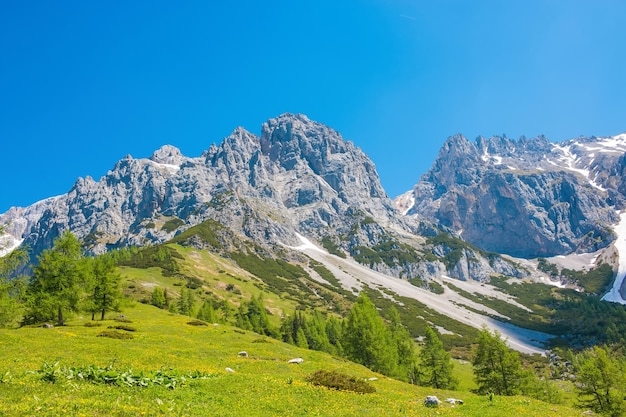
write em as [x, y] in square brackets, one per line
[58, 281]
[435, 366]
[497, 368]
[367, 340]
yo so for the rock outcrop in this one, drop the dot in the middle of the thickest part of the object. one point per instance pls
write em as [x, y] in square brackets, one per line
[526, 197]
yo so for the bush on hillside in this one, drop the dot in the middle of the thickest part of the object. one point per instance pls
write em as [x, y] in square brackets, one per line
[342, 382]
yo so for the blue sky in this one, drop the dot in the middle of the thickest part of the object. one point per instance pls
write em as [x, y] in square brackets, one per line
[83, 83]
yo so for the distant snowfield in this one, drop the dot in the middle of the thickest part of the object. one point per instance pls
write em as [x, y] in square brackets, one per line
[354, 276]
[614, 294]
[168, 167]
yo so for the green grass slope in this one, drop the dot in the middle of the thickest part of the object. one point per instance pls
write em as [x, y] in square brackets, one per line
[263, 384]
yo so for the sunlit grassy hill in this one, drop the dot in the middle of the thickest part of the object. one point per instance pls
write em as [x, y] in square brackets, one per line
[262, 384]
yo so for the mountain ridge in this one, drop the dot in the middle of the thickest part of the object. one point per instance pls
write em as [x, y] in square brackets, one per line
[299, 181]
[494, 191]
[297, 176]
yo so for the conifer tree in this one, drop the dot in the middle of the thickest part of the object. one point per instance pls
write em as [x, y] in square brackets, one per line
[158, 298]
[367, 340]
[404, 344]
[58, 281]
[185, 302]
[497, 368]
[11, 288]
[600, 381]
[435, 366]
[207, 312]
[315, 332]
[105, 291]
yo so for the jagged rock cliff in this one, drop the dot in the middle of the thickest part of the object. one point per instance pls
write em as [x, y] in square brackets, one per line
[525, 197]
[298, 176]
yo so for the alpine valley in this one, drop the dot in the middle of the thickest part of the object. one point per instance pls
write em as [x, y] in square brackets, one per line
[513, 234]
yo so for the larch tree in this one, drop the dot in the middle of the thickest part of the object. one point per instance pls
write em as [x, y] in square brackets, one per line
[497, 369]
[600, 381]
[367, 340]
[435, 365]
[104, 283]
[12, 287]
[58, 281]
[404, 344]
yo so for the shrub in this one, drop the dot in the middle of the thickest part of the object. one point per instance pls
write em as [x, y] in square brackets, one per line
[342, 382]
[92, 324]
[197, 323]
[114, 334]
[123, 320]
[172, 224]
[123, 327]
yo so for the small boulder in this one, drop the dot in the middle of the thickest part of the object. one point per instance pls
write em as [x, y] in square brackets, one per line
[454, 401]
[243, 354]
[432, 401]
[295, 360]
[231, 370]
[47, 326]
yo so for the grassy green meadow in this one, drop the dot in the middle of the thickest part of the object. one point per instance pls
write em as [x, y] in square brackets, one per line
[263, 384]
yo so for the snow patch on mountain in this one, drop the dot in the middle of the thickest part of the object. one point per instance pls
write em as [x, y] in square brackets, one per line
[354, 276]
[615, 295]
[404, 202]
[306, 245]
[8, 244]
[568, 160]
[171, 168]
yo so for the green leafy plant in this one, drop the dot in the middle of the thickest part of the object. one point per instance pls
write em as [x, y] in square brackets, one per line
[110, 376]
[5, 378]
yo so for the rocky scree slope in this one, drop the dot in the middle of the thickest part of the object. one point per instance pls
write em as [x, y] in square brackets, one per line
[298, 176]
[527, 198]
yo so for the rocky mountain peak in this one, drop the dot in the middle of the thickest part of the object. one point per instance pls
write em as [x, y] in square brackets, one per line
[524, 197]
[298, 176]
[168, 155]
[291, 137]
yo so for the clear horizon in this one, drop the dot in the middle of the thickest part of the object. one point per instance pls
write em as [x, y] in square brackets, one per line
[85, 84]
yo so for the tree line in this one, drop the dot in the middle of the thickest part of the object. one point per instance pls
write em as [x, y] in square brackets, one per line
[64, 281]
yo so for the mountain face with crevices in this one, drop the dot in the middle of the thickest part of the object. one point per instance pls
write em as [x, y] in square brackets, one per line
[298, 177]
[527, 198]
